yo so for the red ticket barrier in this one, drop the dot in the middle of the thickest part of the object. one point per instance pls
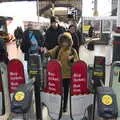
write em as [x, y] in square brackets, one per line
[52, 94]
[54, 77]
[16, 75]
[79, 78]
[80, 98]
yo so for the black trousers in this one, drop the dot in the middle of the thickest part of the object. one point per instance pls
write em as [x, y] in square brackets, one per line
[66, 84]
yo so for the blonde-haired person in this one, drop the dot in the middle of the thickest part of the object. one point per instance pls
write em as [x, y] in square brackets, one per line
[66, 54]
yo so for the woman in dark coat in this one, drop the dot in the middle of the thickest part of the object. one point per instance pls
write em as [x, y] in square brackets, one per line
[75, 37]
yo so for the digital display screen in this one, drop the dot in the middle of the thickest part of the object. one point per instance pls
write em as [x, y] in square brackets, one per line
[99, 70]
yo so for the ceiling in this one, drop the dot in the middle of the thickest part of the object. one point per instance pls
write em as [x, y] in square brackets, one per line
[14, 0]
[46, 5]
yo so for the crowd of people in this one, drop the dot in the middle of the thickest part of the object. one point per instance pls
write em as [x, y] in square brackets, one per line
[59, 43]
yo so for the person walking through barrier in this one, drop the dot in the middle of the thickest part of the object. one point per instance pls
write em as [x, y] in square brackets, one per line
[66, 54]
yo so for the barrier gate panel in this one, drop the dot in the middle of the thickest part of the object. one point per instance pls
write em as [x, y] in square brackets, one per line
[6, 99]
[52, 94]
[80, 98]
[115, 82]
[1, 97]
[15, 74]
[16, 78]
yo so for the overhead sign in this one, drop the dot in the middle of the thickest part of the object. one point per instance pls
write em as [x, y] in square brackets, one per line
[99, 70]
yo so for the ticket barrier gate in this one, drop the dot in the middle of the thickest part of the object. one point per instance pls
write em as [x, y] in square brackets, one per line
[106, 98]
[115, 82]
[23, 95]
[35, 73]
[79, 93]
[22, 101]
[51, 95]
[107, 103]
[4, 93]
[18, 96]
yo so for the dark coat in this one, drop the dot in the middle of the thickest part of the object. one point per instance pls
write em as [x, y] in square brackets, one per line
[63, 54]
[52, 36]
[75, 41]
[26, 44]
[27, 41]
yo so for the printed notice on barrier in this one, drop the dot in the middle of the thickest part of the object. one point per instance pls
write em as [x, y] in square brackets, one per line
[53, 83]
[16, 79]
[54, 77]
[15, 75]
[78, 84]
[79, 78]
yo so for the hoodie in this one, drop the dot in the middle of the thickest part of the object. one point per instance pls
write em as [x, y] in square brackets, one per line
[62, 54]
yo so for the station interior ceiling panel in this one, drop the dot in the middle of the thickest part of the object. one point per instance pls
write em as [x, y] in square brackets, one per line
[45, 6]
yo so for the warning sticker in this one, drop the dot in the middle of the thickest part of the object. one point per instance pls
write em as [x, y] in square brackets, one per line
[107, 100]
[19, 96]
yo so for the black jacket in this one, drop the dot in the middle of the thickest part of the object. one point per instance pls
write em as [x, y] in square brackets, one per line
[52, 36]
[75, 41]
[26, 44]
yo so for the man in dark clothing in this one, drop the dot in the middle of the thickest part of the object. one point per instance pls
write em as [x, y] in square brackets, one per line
[52, 33]
[73, 31]
[32, 42]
